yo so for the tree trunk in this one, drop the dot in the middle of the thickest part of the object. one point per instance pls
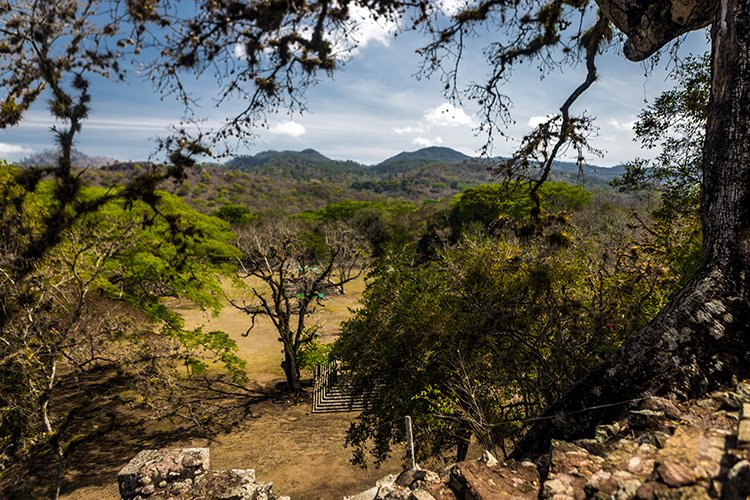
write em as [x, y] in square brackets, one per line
[700, 340]
[462, 447]
[291, 370]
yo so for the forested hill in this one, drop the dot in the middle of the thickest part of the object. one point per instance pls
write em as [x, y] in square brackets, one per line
[407, 161]
[295, 181]
[297, 165]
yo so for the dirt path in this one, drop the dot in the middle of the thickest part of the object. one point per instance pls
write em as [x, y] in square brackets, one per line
[301, 453]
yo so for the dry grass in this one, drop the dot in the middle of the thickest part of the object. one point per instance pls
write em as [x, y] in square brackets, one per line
[300, 452]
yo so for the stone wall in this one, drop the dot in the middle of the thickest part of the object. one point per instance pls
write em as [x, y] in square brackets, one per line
[185, 473]
[660, 450]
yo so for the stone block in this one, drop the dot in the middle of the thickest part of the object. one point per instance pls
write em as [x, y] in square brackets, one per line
[690, 456]
[745, 411]
[153, 470]
[477, 480]
[420, 495]
[743, 434]
[235, 484]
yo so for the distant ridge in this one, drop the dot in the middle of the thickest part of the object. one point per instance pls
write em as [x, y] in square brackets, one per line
[78, 159]
[305, 164]
[272, 156]
[432, 153]
[412, 160]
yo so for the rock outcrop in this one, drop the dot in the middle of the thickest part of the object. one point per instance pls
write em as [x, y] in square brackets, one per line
[184, 473]
[659, 450]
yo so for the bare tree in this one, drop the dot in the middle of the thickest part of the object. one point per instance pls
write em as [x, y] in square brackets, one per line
[289, 270]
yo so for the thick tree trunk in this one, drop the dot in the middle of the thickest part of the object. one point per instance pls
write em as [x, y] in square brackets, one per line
[291, 370]
[702, 338]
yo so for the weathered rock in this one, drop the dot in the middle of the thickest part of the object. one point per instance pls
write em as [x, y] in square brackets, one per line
[158, 469]
[624, 468]
[571, 467]
[387, 480]
[730, 400]
[737, 484]
[690, 456]
[667, 407]
[477, 480]
[416, 478]
[365, 495]
[440, 491]
[641, 420]
[606, 432]
[684, 493]
[420, 495]
[592, 446]
[488, 459]
[392, 492]
[184, 474]
[649, 490]
[686, 457]
[235, 484]
[743, 433]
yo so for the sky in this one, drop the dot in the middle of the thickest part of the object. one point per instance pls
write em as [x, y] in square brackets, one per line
[372, 108]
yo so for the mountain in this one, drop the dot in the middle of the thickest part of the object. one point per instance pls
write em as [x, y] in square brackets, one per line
[78, 159]
[591, 176]
[295, 181]
[412, 160]
[300, 165]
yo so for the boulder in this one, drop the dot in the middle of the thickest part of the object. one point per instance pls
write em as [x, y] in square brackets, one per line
[152, 471]
[690, 456]
[478, 481]
[184, 473]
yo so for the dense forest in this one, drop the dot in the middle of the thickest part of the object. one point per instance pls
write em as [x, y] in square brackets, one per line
[496, 290]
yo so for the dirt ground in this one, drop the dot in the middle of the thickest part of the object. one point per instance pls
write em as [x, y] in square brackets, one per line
[300, 452]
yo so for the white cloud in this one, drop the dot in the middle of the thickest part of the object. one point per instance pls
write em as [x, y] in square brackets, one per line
[436, 120]
[535, 121]
[360, 29]
[419, 129]
[368, 29]
[239, 51]
[448, 115]
[421, 141]
[452, 7]
[290, 128]
[12, 149]
[122, 122]
[622, 126]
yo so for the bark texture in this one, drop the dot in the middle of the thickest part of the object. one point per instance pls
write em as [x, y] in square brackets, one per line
[701, 340]
[649, 25]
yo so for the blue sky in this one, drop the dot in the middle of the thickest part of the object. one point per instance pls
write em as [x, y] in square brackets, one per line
[371, 109]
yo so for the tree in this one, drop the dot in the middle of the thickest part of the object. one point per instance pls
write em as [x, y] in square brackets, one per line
[289, 270]
[699, 340]
[675, 123]
[491, 331]
[491, 204]
[94, 306]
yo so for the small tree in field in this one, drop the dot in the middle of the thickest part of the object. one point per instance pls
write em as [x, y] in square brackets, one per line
[290, 270]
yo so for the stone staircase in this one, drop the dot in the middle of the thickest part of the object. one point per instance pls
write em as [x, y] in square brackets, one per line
[332, 392]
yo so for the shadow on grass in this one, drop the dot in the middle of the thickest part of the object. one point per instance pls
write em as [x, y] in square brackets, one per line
[103, 430]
